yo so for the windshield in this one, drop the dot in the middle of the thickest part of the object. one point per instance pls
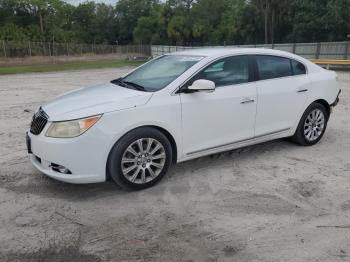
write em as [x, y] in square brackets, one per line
[160, 72]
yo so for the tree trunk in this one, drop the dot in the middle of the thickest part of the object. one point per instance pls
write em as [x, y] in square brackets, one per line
[41, 24]
[266, 20]
[272, 30]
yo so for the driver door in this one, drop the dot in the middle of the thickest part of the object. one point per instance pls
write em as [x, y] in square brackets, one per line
[211, 120]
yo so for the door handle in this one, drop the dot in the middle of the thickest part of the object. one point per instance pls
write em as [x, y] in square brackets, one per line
[247, 101]
[302, 90]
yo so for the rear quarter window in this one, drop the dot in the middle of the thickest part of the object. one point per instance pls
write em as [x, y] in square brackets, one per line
[298, 68]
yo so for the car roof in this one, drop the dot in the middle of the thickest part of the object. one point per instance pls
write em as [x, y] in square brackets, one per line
[217, 52]
[213, 53]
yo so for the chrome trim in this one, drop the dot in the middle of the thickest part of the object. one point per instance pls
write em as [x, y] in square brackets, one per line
[177, 89]
[239, 141]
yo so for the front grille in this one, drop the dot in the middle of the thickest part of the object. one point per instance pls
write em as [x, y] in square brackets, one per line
[39, 121]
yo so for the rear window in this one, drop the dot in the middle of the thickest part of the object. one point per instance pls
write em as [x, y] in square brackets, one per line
[270, 67]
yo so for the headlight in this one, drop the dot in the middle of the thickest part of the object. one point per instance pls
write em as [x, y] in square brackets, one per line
[72, 128]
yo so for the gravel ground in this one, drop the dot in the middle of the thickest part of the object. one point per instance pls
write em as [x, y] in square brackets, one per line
[271, 202]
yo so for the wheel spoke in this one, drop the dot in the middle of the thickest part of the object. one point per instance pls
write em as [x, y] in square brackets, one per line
[132, 151]
[134, 175]
[143, 176]
[149, 144]
[307, 130]
[160, 166]
[151, 172]
[160, 156]
[128, 160]
[127, 170]
[317, 115]
[155, 149]
[139, 144]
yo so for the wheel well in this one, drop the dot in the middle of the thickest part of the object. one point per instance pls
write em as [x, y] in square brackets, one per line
[325, 104]
[166, 133]
[171, 140]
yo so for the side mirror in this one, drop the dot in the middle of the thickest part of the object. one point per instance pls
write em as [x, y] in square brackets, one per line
[202, 85]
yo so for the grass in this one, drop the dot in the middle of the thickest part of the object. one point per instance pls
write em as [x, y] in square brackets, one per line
[81, 65]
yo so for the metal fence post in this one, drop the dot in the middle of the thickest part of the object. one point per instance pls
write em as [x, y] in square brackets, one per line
[318, 50]
[346, 51]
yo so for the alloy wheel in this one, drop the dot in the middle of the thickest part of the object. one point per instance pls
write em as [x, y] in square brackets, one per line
[143, 160]
[314, 125]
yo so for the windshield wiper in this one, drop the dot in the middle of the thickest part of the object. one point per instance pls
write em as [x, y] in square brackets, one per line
[118, 81]
[136, 86]
[127, 84]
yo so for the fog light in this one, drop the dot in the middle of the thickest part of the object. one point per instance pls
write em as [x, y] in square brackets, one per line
[60, 169]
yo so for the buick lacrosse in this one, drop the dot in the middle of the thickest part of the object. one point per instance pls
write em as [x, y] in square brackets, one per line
[178, 107]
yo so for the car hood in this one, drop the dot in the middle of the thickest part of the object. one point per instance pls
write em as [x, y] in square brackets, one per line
[94, 100]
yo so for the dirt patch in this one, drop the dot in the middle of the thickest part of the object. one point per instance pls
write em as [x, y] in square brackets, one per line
[305, 188]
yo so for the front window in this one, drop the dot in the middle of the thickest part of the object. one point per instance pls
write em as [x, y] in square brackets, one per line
[160, 72]
[228, 71]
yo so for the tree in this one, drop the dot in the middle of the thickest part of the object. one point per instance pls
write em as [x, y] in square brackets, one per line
[127, 14]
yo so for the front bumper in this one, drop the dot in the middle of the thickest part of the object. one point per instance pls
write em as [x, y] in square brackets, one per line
[85, 156]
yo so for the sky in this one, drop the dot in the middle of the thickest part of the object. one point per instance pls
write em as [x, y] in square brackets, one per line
[76, 2]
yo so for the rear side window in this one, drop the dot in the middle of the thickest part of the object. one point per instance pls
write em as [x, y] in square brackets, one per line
[298, 68]
[270, 67]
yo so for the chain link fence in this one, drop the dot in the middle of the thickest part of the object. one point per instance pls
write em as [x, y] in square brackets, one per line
[10, 49]
[326, 50]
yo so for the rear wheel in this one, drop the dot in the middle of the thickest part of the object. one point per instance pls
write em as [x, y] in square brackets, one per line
[312, 125]
[140, 159]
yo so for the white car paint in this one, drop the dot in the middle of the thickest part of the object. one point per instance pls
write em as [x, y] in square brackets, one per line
[200, 123]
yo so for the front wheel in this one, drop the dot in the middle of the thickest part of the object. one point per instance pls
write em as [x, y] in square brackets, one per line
[312, 125]
[140, 159]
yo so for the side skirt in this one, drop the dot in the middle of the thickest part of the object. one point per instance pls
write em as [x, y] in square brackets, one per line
[238, 144]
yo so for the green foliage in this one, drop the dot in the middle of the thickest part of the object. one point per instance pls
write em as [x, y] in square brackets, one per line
[188, 22]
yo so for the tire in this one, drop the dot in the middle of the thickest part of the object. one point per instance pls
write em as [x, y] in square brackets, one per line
[309, 132]
[134, 168]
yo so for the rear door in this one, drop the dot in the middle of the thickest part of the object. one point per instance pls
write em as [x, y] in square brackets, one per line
[282, 92]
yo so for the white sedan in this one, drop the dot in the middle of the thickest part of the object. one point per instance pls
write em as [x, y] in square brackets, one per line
[178, 107]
